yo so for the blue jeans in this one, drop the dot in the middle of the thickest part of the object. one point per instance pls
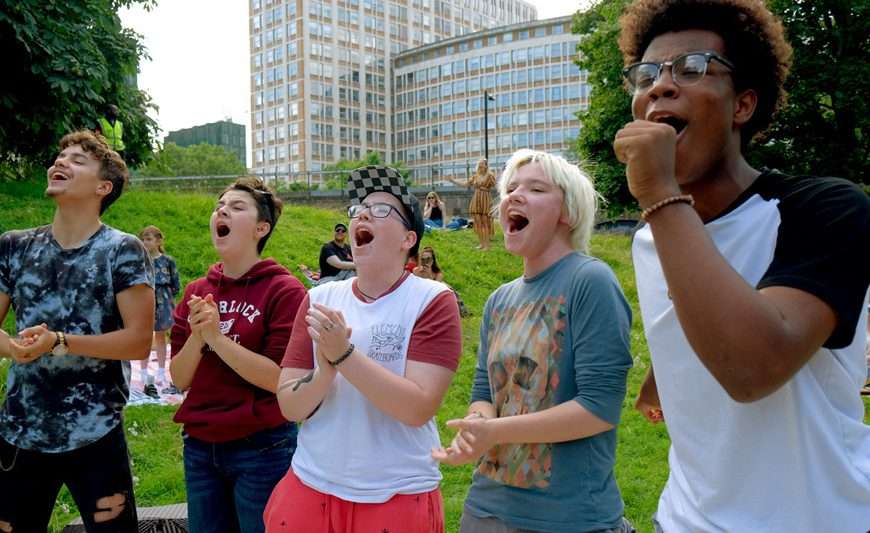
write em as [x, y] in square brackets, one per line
[229, 483]
[434, 223]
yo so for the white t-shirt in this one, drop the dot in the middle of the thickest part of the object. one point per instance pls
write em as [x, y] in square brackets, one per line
[798, 459]
[349, 448]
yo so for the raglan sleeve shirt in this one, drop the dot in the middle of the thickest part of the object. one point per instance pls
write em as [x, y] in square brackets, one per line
[436, 337]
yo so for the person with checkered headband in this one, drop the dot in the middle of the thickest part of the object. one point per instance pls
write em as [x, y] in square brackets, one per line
[366, 368]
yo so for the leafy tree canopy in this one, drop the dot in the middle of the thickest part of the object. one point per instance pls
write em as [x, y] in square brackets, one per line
[609, 104]
[196, 160]
[64, 62]
[823, 130]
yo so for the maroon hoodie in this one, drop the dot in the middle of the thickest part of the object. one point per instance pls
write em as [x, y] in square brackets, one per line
[257, 311]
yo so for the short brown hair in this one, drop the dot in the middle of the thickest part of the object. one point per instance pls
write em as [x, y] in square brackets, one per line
[112, 167]
[754, 41]
[269, 206]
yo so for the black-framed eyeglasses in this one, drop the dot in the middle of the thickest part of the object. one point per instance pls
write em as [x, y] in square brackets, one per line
[378, 210]
[687, 69]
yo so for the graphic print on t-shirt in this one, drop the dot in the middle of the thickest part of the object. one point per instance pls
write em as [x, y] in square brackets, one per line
[387, 342]
[525, 345]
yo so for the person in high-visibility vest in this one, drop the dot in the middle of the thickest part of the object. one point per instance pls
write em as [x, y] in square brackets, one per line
[112, 129]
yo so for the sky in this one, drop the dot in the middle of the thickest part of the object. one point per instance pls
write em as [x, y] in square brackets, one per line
[198, 71]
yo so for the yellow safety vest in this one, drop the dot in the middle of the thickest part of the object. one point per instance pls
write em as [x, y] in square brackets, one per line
[113, 134]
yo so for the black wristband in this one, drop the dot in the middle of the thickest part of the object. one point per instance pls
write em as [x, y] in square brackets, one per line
[344, 356]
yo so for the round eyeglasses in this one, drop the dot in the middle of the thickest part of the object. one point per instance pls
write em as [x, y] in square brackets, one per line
[378, 210]
[687, 69]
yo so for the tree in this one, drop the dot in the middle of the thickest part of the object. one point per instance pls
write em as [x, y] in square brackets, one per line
[609, 104]
[196, 160]
[824, 128]
[64, 62]
[343, 167]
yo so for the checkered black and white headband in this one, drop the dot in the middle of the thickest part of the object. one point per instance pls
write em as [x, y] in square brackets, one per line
[366, 180]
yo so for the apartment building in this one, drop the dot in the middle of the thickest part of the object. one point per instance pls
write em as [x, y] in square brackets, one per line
[522, 76]
[321, 79]
[222, 133]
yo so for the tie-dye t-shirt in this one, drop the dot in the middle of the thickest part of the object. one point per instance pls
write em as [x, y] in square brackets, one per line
[57, 404]
[558, 337]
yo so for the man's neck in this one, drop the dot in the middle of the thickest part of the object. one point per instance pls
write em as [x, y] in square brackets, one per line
[721, 187]
[339, 243]
[72, 226]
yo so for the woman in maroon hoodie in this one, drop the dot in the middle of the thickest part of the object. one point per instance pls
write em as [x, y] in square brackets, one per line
[231, 329]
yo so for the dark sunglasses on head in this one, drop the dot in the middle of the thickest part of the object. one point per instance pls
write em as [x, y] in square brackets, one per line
[687, 69]
[260, 196]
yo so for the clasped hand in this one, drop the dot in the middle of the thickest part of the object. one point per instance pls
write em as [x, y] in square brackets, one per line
[31, 344]
[204, 318]
[474, 438]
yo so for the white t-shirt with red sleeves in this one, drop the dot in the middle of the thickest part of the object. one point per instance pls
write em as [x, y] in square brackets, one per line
[349, 448]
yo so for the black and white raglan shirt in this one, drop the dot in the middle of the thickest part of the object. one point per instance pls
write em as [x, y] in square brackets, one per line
[798, 459]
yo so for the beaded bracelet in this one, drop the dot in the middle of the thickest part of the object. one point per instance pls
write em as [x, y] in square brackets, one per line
[344, 356]
[684, 198]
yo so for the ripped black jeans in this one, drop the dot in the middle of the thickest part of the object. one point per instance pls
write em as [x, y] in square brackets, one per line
[97, 475]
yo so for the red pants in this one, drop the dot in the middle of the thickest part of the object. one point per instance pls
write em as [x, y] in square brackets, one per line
[296, 508]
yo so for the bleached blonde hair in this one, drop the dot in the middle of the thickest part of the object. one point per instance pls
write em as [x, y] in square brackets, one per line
[580, 197]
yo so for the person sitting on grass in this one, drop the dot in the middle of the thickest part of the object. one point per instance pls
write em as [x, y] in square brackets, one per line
[428, 267]
[433, 211]
[552, 366]
[336, 258]
[367, 368]
[231, 330]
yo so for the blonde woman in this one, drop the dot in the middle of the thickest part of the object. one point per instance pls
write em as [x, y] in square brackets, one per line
[434, 211]
[480, 208]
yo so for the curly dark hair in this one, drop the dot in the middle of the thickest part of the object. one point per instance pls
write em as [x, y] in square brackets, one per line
[269, 205]
[112, 167]
[754, 41]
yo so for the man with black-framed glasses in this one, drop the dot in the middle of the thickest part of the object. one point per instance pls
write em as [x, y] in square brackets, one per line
[752, 283]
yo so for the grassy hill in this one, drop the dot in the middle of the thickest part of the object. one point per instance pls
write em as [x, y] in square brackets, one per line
[155, 440]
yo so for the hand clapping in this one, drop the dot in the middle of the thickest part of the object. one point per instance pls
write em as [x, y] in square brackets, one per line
[204, 318]
[329, 330]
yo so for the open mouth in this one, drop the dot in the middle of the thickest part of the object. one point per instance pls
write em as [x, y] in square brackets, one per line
[677, 123]
[222, 229]
[57, 176]
[517, 223]
[363, 236]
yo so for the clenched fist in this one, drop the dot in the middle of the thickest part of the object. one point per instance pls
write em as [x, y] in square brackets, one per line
[648, 150]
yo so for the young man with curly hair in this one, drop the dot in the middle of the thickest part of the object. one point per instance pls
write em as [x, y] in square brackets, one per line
[752, 283]
[84, 306]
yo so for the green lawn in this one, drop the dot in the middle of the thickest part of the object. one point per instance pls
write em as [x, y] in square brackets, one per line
[155, 440]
